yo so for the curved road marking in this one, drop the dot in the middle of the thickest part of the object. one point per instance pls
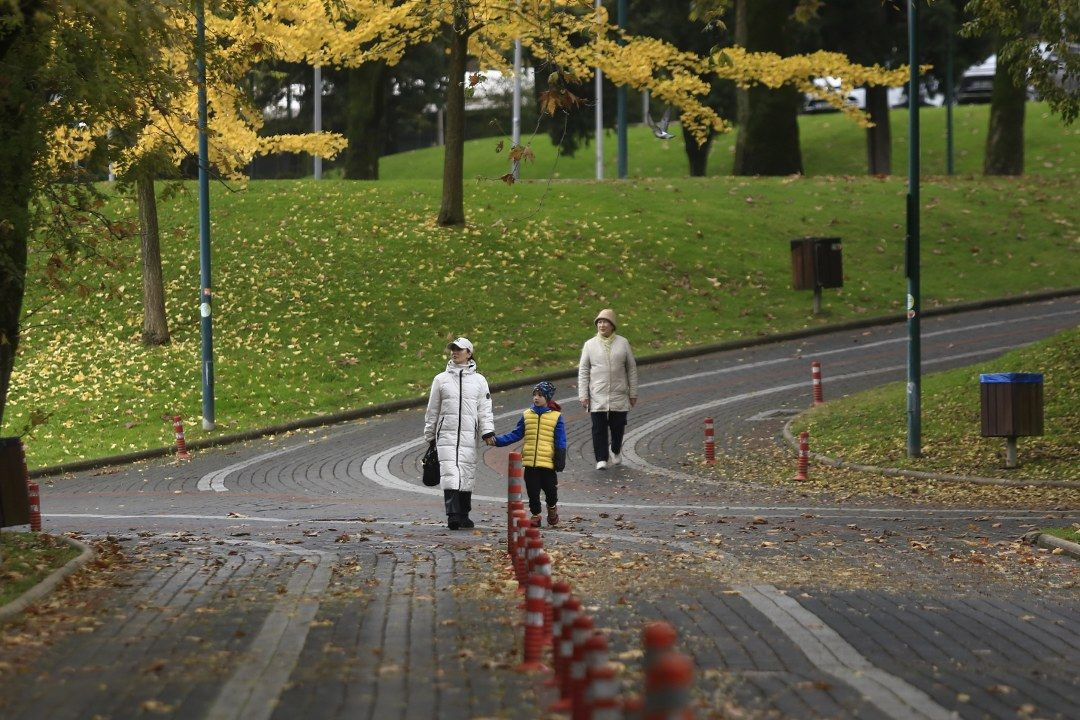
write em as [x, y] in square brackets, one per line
[630, 456]
[216, 480]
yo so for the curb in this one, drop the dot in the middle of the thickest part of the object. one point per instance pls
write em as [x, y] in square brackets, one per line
[942, 477]
[410, 403]
[1052, 542]
[49, 583]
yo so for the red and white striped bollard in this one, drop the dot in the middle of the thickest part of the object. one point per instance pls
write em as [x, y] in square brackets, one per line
[181, 444]
[667, 688]
[34, 492]
[564, 648]
[804, 457]
[542, 566]
[603, 693]
[560, 593]
[534, 624]
[521, 522]
[596, 656]
[815, 376]
[514, 474]
[710, 442]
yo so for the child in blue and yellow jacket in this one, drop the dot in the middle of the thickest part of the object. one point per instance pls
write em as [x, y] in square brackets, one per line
[544, 451]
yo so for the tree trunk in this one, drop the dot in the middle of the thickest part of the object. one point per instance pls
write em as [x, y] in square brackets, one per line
[1005, 138]
[21, 53]
[155, 325]
[879, 137]
[697, 155]
[452, 211]
[768, 139]
[366, 90]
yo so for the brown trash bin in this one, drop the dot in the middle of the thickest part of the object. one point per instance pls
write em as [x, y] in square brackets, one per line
[816, 263]
[1011, 406]
[14, 494]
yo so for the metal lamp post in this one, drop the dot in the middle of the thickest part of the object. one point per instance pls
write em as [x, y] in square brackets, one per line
[515, 118]
[599, 115]
[205, 295]
[317, 82]
[620, 104]
[950, 167]
[914, 360]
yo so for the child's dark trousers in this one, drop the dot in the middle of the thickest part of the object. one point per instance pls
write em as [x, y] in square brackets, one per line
[537, 479]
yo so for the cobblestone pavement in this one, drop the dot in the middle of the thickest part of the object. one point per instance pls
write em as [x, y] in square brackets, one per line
[311, 575]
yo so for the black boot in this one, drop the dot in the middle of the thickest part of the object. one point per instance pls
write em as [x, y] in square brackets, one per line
[452, 500]
[466, 507]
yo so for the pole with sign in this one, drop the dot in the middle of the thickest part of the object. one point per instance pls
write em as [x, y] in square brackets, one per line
[914, 360]
[205, 296]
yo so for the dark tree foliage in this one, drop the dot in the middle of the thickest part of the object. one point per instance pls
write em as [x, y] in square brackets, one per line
[876, 33]
[768, 139]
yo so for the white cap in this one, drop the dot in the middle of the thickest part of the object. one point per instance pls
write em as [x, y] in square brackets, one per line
[461, 344]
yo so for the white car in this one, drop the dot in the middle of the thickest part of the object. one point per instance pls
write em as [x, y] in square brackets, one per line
[977, 83]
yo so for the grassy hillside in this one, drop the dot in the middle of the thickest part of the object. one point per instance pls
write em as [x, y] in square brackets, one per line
[864, 428]
[831, 145]
[337, 295]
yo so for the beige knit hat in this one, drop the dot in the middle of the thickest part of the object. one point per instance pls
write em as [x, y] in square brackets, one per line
[607, 314]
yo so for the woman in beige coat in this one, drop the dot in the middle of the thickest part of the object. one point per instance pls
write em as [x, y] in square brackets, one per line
[607, 387]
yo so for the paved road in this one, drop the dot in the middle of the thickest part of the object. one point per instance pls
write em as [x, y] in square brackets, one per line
[312, 575]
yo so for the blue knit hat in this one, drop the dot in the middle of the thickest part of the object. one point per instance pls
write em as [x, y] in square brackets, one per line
[545, 388]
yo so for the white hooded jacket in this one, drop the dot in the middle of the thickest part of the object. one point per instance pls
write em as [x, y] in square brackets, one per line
[458, 415]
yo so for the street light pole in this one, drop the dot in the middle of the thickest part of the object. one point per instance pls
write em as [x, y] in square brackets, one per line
[318, 116]
[914, 361]
[620, 104]
[515, 118]
[599, 114]
[205, 297]
[950, 48]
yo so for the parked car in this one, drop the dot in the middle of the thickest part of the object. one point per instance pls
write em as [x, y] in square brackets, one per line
[977, 83]
[812, 105]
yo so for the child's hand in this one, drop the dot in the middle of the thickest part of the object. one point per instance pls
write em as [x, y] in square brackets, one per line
[489, 440]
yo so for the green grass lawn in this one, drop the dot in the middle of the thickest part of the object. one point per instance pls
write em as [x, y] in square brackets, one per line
[1070, 534]
[869, 428]
[831, 145]
[26, 559]
[338, 295]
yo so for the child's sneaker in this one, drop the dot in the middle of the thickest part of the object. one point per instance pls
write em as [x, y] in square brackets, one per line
[553, 516]
[601, 464]
[616, 459]
[536, 521]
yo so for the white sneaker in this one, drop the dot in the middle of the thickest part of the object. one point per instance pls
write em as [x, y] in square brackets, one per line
[601, 465]
[616, 459]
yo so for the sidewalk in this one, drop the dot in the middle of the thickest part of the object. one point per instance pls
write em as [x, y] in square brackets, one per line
[383, 628]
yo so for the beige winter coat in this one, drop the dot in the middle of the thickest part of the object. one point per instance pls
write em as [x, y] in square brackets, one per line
[607, 378]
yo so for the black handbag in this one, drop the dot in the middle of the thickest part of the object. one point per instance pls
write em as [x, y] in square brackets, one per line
[431, 466]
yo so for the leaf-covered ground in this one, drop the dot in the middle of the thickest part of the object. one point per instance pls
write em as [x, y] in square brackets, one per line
[831, 145]
[338, 295]
[868, 428]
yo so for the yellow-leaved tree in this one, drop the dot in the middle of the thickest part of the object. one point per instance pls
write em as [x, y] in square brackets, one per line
[570, 40]
[158, 129]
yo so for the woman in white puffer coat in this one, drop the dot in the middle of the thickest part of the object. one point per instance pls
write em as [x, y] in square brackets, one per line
[458, 416]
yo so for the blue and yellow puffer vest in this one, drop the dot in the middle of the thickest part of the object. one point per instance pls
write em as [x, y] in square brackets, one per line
[539, 441]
